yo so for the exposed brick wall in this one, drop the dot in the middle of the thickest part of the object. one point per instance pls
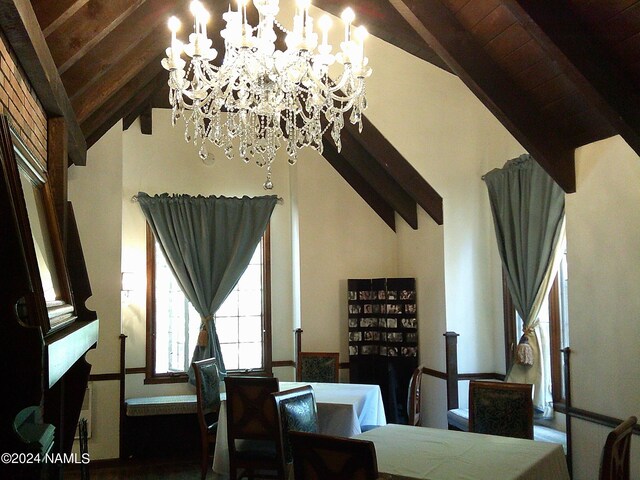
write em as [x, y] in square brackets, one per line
[19, 101]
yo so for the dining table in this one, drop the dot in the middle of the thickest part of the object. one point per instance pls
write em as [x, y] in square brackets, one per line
[419, 453]
[343, 410]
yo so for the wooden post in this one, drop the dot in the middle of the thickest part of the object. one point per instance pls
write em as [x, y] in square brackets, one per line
[567, 415]
[298, 347]
[451, 352]
[123, 341]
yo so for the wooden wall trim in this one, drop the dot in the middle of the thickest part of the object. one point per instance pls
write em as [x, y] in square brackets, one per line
[593, 417]
[482, 376]
[104, 377]
[283, 363]
[135, 370]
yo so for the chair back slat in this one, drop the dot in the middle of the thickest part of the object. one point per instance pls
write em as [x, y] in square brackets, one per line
[616, 452]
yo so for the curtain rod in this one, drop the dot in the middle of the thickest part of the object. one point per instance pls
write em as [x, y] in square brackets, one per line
[279, 200]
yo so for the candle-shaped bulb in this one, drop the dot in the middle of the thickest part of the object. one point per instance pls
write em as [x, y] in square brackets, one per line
[325, 24]
[243, 4]
[203, 22]
[196, 7]
[174, 24]
[361, 34]
[302, 6]
[348, 16]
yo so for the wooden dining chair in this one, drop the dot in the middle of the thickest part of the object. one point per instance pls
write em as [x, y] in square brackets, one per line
[318, 367]
[297, 411]
[322, 457]
[616, 452]
[252, 428]
[413, 398]
[208, 406]
[501, 408]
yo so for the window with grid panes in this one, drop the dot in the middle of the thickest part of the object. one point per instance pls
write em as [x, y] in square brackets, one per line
[242, 322]
[554, 329]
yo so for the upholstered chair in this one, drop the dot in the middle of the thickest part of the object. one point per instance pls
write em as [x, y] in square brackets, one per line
[616, 452]
[208, 405]
[252, 428]
[501, 408]
[323, 457]
[318, 367]
[297, 411]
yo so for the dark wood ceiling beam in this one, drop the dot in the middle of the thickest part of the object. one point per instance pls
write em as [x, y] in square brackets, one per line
[144, 113]
[20, 25]
[359, 184]
[592, 70]
[88, 26]
[127, 68]
[387, 25]
[364, 163]
[53, 14]
[125, 38]
[399, 168]
[132, 96]
[500, 94]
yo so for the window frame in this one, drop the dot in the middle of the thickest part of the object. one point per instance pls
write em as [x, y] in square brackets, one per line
[151, 376]
[555, 337]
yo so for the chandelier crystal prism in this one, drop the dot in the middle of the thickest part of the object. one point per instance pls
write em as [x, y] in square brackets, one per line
[259, 97]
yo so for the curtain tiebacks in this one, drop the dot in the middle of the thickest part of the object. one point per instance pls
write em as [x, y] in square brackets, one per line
[524, 352]
[203, 334]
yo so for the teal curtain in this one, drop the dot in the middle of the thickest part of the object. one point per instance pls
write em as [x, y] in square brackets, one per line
[208, 243]
[528, 214]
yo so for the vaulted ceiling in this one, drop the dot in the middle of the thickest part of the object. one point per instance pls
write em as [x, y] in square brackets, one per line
[556, 74]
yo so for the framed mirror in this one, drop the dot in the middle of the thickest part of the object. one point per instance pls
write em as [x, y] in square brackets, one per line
[50, 305]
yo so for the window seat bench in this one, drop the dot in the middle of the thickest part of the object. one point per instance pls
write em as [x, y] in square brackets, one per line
[161, 426]
[458, 419]
[160, 405]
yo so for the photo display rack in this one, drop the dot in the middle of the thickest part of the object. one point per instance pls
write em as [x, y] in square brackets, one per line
[382, 317]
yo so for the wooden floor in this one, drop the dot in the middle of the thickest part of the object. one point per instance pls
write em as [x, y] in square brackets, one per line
[173, 469]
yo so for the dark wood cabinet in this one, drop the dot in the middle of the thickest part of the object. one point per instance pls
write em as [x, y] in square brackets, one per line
[45, 329]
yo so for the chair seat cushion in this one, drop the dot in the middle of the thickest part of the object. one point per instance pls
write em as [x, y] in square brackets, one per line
[459, 418]
[161, 405]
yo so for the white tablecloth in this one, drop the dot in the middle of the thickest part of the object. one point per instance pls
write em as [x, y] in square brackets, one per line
[427, 453]
[343, 409]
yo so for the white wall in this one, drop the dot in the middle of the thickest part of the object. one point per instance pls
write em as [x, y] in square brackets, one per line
[94, 191]
[341, 237]
[603, 234]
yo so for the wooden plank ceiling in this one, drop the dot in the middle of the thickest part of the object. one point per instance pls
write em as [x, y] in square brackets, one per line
[558, 75]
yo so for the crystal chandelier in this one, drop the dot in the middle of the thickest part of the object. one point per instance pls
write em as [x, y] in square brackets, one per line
[259, 97]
